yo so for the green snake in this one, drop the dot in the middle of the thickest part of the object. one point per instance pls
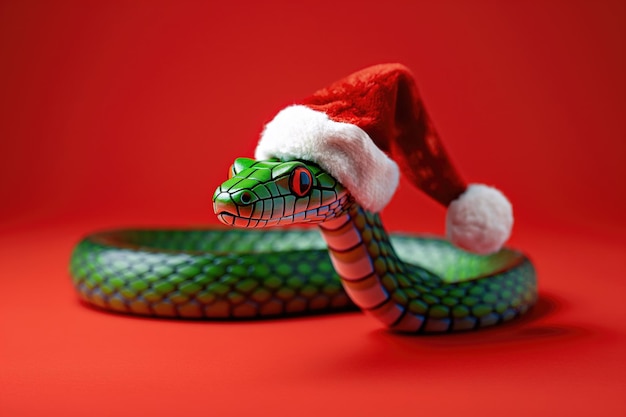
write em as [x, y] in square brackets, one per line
[410, 283]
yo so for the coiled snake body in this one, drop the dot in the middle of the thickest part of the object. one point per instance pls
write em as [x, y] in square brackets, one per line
[409, 283]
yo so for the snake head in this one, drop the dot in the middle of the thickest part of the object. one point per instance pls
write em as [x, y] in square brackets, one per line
[276, 193]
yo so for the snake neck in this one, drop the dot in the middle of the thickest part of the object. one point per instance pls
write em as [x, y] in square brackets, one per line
[362, 255]
[358, 244]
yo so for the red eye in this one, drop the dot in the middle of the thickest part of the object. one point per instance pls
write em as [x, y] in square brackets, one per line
[300, 181]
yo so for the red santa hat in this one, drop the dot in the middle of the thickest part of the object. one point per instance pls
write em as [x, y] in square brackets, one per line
[366, 128]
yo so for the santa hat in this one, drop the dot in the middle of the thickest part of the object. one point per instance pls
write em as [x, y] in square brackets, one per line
[362, 128]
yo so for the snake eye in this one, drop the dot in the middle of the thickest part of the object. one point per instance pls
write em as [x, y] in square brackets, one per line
[246, 198]
[300, 181]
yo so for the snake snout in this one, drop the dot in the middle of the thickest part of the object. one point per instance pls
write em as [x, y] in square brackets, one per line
[224, 207]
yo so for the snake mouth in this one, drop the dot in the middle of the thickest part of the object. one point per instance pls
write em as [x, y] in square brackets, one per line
[226, 211]
[255, 223]
[226, 218]
[241, 216]
[230, 214]
[238, 221]
[245, 222]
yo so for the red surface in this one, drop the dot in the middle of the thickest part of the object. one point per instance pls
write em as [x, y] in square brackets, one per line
[118, 114]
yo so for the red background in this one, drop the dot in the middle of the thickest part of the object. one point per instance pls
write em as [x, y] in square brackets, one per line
[115, 113]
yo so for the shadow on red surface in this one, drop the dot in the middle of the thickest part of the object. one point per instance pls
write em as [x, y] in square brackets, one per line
[527, 328]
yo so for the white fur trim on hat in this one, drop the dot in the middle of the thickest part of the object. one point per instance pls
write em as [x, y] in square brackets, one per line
[344, 150]
[480, 220]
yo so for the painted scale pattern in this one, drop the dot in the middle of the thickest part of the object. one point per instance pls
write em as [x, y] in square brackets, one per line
[207, 273]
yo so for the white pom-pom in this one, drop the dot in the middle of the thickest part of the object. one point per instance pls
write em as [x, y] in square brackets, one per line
[480, 220]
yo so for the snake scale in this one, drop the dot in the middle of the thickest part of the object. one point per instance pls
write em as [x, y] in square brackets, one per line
[410, 283]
